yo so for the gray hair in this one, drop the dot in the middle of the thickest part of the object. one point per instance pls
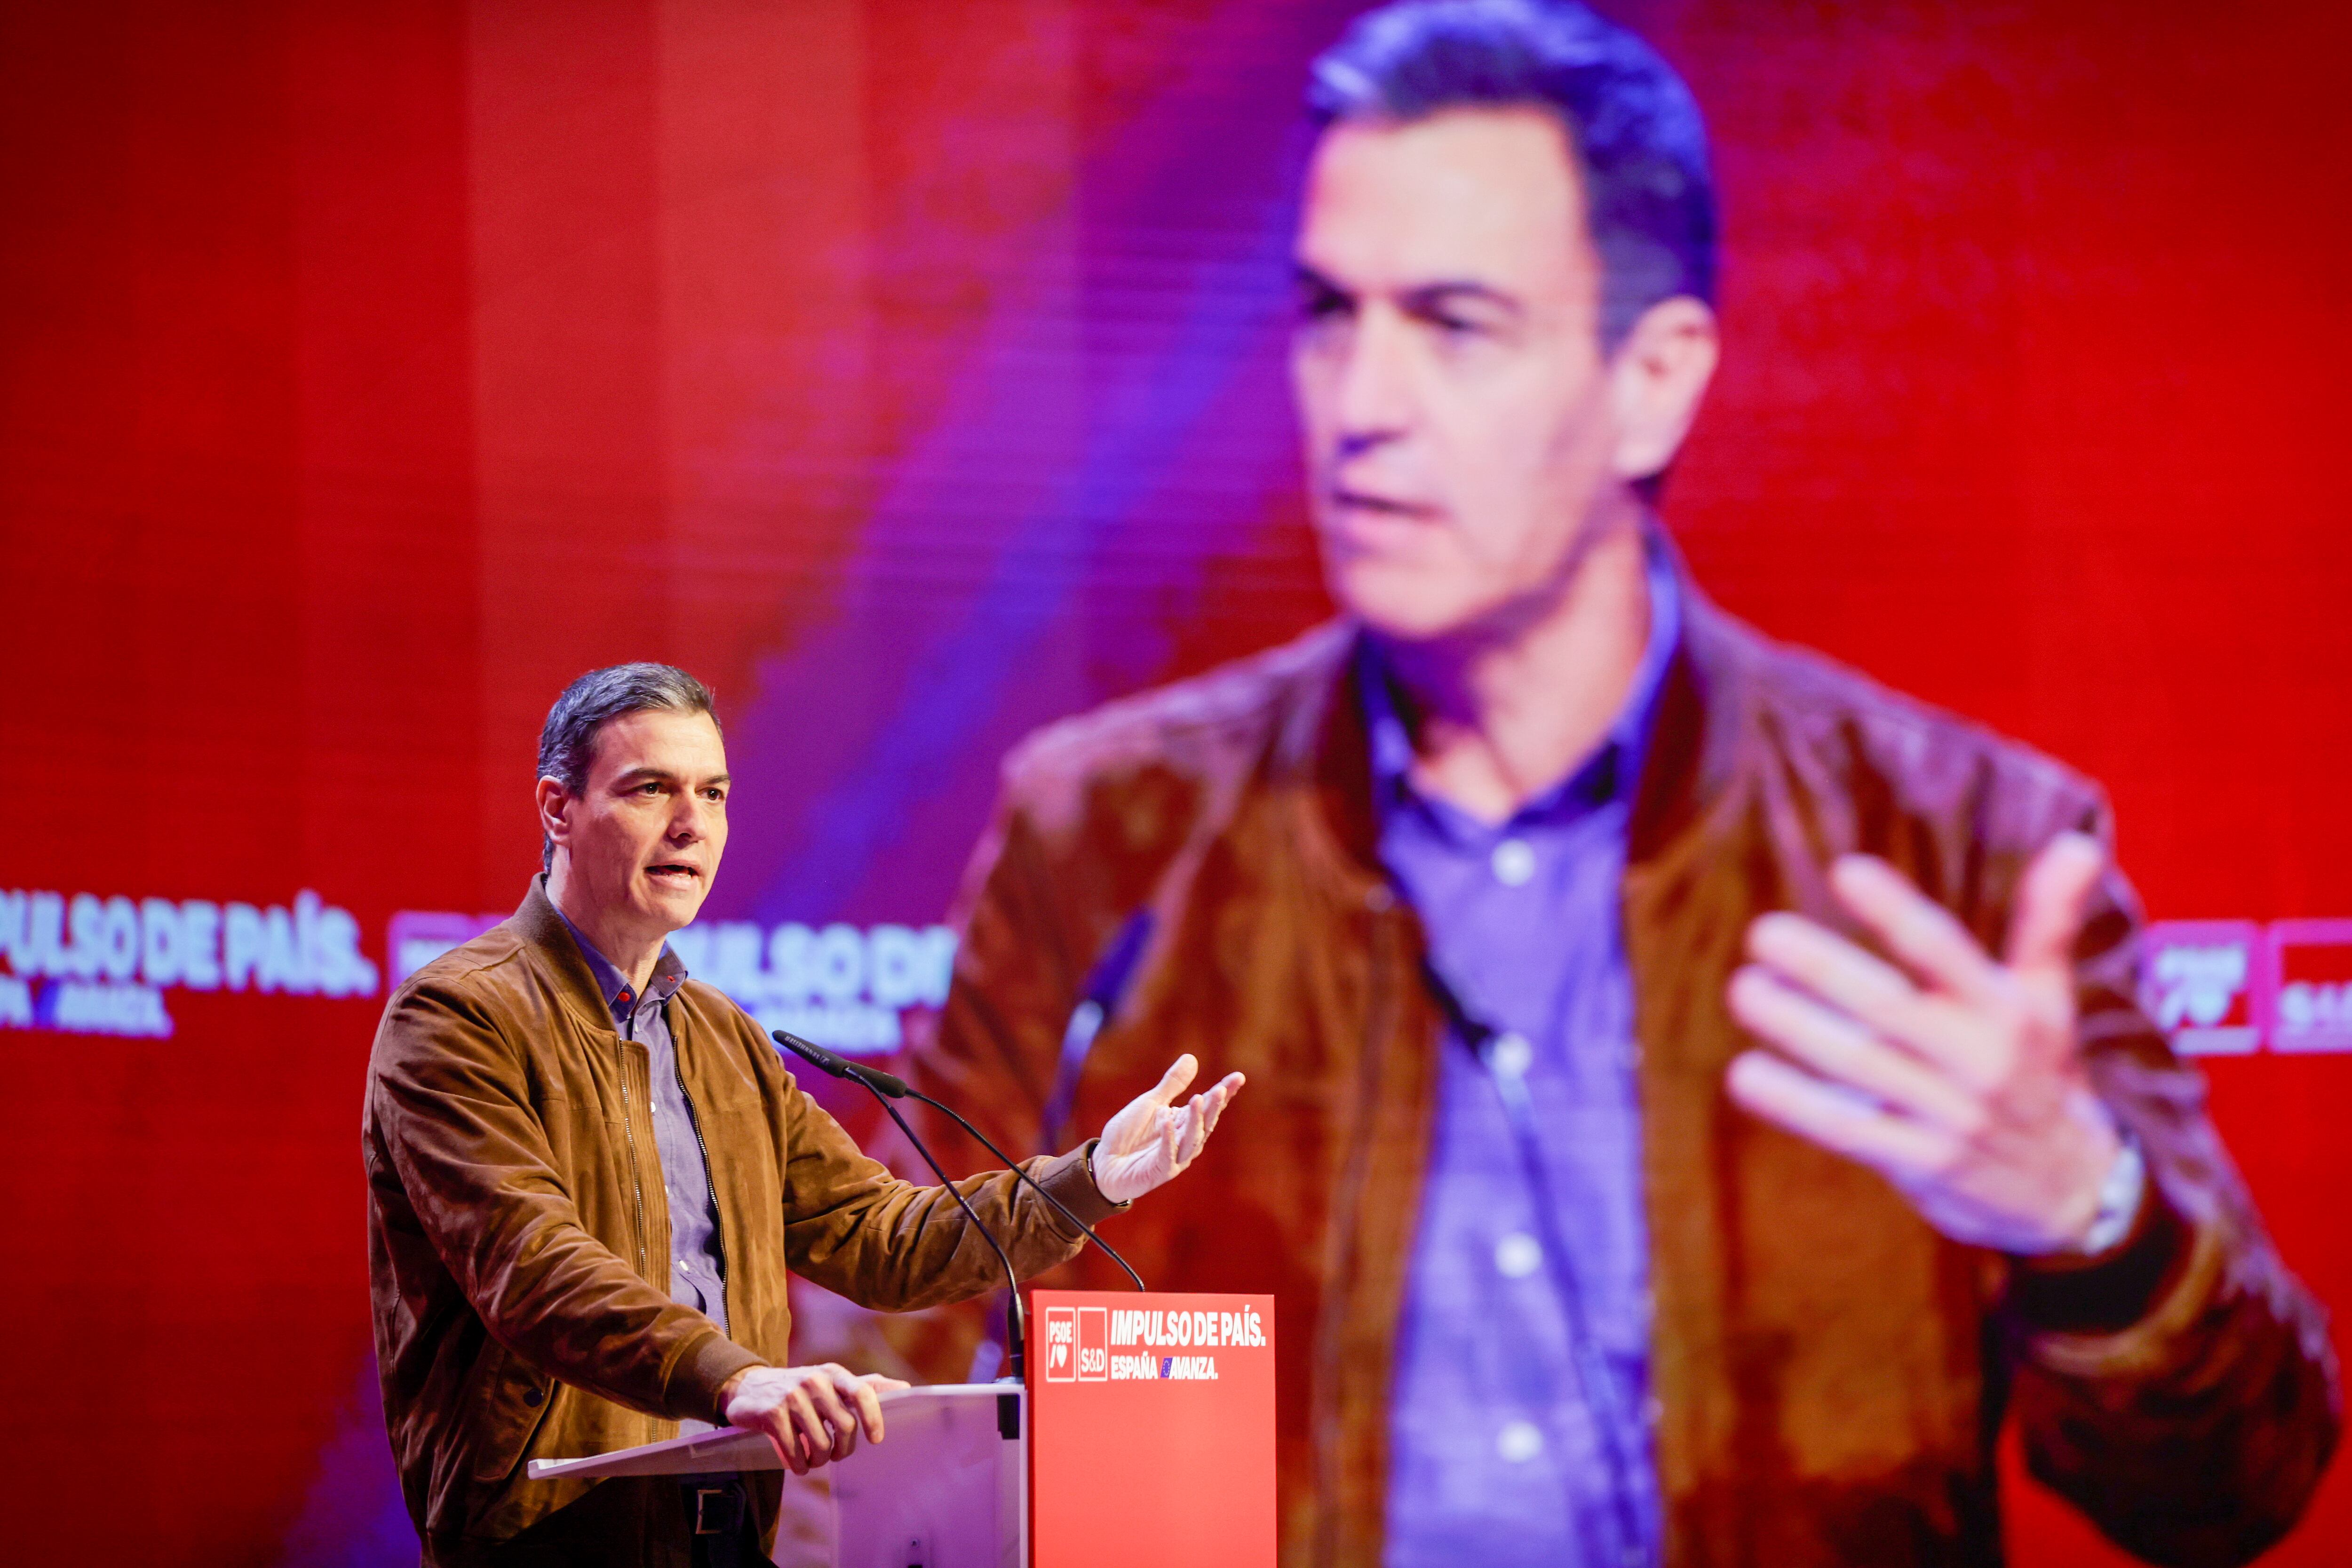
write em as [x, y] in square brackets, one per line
[1636, 132]
[567, 742]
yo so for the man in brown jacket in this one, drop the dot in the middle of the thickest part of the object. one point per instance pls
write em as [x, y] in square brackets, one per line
[588, 1178]
[1651, 1157]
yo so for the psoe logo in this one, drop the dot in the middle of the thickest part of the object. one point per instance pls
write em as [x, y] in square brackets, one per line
[2199, 982]
[1061, 1337]
[2311, 967]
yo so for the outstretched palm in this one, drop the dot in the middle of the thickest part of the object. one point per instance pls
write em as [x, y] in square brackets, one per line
[1149, 1141]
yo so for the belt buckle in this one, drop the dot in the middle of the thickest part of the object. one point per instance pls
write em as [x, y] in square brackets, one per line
[718, 1511]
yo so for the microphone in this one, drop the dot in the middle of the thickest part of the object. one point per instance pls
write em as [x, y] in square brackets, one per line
[890, 1086]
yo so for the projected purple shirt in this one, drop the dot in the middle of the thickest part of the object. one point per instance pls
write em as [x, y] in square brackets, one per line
[1497, 1455]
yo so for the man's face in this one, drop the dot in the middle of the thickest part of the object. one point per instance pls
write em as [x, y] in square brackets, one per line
[1448, 368]
[645, 834]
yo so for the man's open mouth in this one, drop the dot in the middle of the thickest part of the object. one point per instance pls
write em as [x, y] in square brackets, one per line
[674, 870]
[1358, 500]
[1359, 506]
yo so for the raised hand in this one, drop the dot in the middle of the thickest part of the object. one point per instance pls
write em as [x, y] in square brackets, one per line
[1960, 1081]
[1148, 1143]
[811, 1413]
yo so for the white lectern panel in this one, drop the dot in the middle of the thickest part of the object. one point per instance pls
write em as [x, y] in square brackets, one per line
[947, 1488]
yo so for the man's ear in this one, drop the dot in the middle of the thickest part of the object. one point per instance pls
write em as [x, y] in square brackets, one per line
[554, 805]
[1657, 378]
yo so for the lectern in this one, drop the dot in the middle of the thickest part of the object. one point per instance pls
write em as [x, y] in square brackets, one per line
[1145, 1438]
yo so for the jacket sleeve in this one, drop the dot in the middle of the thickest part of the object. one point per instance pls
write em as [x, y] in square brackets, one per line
[892, 1244]
[2180, 1389]
[449, 1098]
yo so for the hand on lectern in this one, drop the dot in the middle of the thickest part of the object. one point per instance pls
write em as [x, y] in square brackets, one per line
[1150, 1143]
[811, 1413]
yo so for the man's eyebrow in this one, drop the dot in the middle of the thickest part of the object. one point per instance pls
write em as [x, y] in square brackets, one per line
[1421, 298]
[1314, 282]
[648, 773]
[1461, 290]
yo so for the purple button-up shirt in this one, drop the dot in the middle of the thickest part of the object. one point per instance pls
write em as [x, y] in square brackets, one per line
[1496, 1456]
[697, 1276]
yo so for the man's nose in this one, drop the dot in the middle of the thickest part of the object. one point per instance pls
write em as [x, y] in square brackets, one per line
[1374, 395]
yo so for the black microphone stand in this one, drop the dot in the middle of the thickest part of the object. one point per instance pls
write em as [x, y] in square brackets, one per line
[1016, 1316]
[887, 1087]
[890, 1086]
[956, 1116]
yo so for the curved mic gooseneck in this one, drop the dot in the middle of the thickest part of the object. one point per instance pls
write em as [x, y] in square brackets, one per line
[885, 1091]
[1108, 1250]
[890, 1086]
[1016, 1316]
[887, 1087]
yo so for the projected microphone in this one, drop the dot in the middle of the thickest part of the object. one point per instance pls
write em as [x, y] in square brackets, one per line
[890, 1086]
[1105, 988]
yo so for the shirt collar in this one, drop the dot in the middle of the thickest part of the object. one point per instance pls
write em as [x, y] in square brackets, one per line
[1613, 766]
[670, 971]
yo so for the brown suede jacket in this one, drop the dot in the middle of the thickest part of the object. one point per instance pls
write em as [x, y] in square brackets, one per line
[1831, 1372]
[518, 1234]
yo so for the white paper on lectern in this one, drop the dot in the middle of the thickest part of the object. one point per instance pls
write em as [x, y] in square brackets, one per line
[732, 1449]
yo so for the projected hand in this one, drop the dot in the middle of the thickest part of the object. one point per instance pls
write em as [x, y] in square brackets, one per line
[1960, 1082]
[811, 1413]
[1148, 1143]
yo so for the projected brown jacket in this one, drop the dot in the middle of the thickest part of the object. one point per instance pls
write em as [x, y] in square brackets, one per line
[519, 1240]
[1833, 1372]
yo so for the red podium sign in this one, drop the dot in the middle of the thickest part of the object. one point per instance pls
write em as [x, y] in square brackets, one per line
[1151, 1430]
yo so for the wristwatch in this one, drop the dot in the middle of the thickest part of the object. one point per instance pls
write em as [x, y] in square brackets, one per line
[2119, 1197]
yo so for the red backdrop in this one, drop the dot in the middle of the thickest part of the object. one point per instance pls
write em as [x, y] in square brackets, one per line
[912, 372]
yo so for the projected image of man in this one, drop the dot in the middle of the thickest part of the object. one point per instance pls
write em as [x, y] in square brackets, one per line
[1700, 1091]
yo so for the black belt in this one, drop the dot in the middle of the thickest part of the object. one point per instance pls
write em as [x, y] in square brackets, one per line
[718, 1521]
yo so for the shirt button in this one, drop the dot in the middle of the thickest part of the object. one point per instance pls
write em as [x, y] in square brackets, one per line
[1518, 1442]
[1517, 1255]
[1511, 1054]
[1514, 862]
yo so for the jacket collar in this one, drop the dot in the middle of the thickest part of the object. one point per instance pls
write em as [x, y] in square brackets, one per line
[1702, 731]
[669, 970]
[541, 924]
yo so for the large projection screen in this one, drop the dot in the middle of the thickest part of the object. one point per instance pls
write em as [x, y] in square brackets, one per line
[914, 373]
